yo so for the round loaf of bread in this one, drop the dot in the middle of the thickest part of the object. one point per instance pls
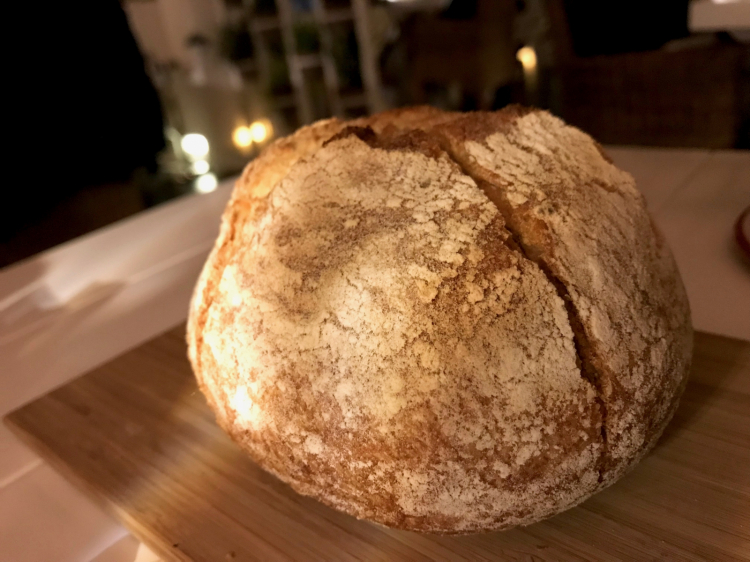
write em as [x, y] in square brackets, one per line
[441, 322]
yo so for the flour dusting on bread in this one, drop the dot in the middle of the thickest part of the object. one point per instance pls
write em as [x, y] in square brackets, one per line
[376, 328]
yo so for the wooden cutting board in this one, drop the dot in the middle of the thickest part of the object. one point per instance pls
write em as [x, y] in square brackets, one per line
[139, 437]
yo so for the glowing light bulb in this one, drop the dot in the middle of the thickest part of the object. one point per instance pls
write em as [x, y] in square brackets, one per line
[242, 137]
[206, 183]
[527, 57]
[260, 131]
[195, 146]
[200, 167]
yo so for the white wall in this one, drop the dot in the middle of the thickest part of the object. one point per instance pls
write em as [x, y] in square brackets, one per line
[162, 27]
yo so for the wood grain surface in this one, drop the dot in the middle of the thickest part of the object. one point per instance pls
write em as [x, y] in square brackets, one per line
[138, 436]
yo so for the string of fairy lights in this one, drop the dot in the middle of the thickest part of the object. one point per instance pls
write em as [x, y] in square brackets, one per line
[196, 149]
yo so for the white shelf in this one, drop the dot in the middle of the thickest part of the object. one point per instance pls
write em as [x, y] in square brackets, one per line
[708, 15]
[270, 23]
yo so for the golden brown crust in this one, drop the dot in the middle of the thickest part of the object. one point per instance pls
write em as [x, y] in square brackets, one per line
[584, 221]
[371, 332]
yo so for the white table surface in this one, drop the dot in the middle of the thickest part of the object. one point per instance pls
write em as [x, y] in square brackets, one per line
[76, 306]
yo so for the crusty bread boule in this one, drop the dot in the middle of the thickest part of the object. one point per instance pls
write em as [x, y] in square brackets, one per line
[441, 322]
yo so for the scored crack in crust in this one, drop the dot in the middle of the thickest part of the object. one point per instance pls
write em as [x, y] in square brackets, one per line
[393, 319]
[585, 223]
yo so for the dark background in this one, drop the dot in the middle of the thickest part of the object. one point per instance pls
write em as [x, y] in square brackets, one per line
[89, 123]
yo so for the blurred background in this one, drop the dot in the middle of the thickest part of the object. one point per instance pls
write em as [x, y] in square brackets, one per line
[126, 104]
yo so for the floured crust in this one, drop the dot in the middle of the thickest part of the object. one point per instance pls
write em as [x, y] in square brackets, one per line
[247, 201]
[369, 329]
[584, 220]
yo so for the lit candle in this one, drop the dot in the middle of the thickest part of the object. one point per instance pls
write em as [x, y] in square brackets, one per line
[527, 57]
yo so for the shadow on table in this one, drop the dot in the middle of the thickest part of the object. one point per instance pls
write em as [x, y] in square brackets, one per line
[715, 360]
